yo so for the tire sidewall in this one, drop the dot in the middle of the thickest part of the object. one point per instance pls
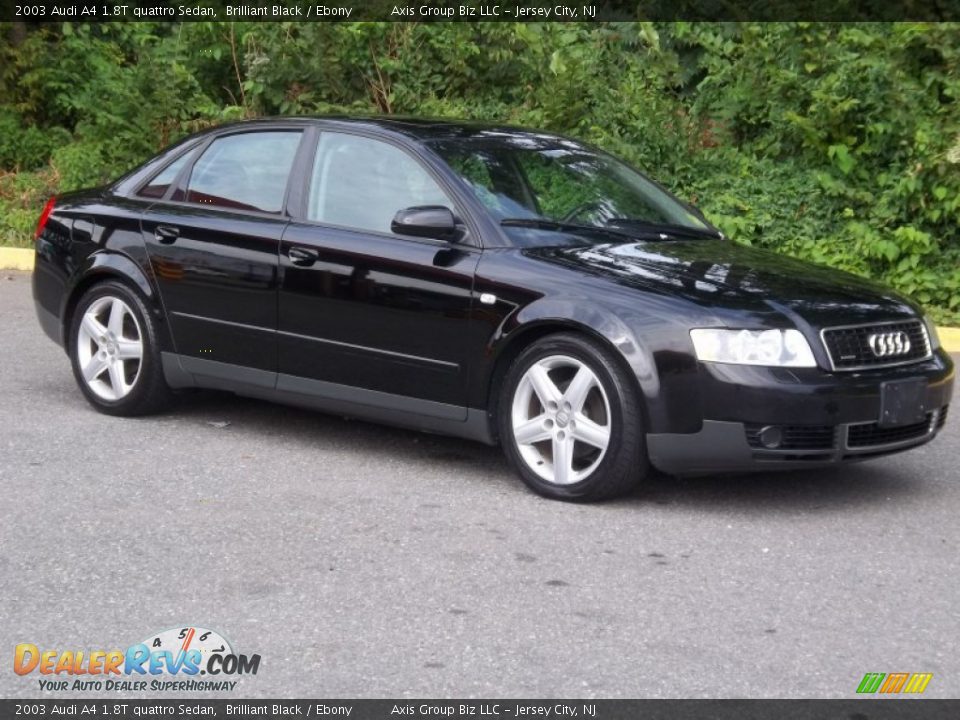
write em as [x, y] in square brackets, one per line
[620, 399]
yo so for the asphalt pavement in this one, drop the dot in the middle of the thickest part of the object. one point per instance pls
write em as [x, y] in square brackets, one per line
[364, 561]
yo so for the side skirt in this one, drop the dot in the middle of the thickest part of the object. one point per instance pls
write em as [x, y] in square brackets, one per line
[182, 371]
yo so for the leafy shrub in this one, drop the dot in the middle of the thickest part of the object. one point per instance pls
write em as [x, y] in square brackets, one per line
[838, 143]
[27, 148]
[22, 196]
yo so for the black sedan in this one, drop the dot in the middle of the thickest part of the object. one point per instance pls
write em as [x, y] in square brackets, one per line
[497, 284]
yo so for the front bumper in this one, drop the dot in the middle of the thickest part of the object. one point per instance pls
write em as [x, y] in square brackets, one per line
[821, 418]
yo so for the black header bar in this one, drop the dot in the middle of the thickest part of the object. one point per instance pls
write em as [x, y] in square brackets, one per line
[94, 11]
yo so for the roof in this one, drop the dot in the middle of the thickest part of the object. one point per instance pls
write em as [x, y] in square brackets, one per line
[413, 127]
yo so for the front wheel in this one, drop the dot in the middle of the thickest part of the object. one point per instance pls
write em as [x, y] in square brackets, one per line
[114, 352]
[570, 423]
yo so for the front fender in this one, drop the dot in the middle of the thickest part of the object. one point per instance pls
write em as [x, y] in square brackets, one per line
[546, 315]
[598, 320]
[655, 348]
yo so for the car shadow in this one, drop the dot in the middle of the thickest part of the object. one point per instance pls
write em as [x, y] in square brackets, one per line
[306, 426]
[839, 488]
[821, 489]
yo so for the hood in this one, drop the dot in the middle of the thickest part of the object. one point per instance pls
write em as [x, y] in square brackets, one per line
[719, 274]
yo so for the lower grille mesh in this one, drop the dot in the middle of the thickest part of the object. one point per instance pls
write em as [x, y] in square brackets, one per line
[859, 435]
[942, 418]
[870, 434]
[796, 437]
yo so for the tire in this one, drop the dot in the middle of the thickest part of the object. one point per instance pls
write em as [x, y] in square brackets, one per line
[601, 444]
[114, 376]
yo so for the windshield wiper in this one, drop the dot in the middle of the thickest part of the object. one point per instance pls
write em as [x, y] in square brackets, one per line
[546, 224]
[630, 228]
[664, 230]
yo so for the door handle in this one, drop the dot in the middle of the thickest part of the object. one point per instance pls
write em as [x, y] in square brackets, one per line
[166, 234]
[303, 257]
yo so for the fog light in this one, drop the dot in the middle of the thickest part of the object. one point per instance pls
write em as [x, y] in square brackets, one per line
[771, 436]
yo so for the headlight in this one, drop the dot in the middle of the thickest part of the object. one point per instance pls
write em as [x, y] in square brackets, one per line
[931, 333]
[781, 348]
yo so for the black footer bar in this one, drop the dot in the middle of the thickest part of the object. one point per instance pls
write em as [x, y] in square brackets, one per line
[119, 709]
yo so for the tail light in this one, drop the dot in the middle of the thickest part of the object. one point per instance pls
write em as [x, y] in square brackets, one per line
[44, 216]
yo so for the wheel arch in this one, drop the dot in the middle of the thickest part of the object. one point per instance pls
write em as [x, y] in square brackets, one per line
[622, 345]
[104, 266]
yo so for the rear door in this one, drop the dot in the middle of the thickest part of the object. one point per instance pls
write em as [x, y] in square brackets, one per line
[367, 315]
[213, 241]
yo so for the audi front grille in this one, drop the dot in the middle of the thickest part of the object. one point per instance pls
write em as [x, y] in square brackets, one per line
[877, 345]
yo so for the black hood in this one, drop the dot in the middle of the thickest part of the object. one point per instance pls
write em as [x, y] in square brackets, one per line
[723, 275]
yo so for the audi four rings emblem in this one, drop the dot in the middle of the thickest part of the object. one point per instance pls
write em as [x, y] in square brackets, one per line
[889, 344]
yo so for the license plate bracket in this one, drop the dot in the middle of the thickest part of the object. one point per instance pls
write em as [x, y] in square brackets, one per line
[902, 402]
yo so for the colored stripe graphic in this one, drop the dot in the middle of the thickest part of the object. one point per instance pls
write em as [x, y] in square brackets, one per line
[894, 683]
[918, 682]
[871, 682]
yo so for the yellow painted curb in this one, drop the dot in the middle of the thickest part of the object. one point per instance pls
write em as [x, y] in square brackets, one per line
[16, 258]
[22, 259]
[949, 338]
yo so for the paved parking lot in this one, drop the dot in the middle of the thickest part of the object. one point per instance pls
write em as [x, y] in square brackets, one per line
[365, 561]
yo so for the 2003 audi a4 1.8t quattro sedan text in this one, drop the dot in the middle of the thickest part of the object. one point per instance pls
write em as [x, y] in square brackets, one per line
[497, 284]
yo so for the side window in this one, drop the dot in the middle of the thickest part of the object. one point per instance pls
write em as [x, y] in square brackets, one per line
[157, 187]
[361, 183]
[248, 171]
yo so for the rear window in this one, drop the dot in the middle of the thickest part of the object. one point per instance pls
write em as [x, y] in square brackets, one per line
[160, 183]
[248, 171]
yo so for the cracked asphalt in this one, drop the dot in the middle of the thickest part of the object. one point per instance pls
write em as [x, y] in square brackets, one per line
[364, 561]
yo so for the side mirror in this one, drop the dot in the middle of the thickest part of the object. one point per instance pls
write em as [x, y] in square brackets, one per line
[428, 221]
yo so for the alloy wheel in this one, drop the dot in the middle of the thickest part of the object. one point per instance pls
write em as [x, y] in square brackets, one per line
[561, 419]
[110, 348]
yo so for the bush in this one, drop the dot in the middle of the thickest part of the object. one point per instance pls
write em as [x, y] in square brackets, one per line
[22, 196]
[838, 143]
[27, 148]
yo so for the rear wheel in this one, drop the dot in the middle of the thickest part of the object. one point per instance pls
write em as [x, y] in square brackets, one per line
[114, 352]
[570, 422]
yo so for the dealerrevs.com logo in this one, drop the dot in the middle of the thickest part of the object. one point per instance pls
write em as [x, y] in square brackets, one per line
[174, 659]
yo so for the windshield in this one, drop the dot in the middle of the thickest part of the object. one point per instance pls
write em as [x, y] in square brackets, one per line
[549, 191]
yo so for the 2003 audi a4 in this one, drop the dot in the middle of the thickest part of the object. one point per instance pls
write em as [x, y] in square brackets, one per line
[492, 283]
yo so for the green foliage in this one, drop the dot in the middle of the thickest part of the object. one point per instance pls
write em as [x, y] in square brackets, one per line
[21, 194]
[838, 143]
[27, 147]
